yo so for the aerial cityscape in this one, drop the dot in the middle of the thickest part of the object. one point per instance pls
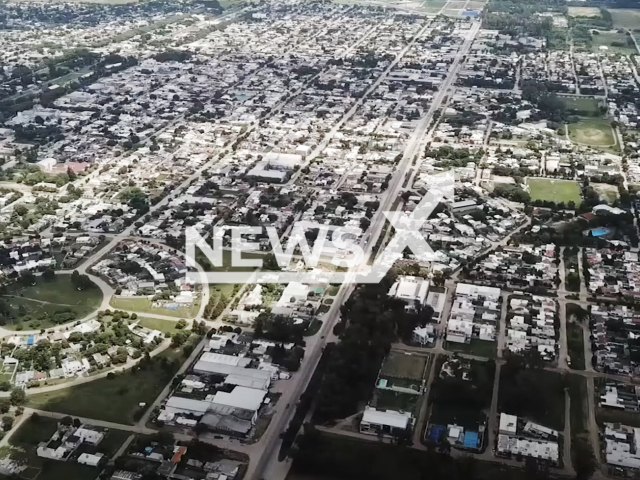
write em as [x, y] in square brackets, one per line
[319, 239]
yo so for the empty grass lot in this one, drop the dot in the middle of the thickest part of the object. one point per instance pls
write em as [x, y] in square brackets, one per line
[606, 192]
[584, 12]
[593, 132]
[165, 326]
[481, 348]
[554, 190]
[145, 305]
[582, 105]
[401, 365]
[614, 41]
[116, 399]
[625, 18]
[50, 296]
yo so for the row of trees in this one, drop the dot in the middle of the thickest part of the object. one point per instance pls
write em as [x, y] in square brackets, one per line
[370, 323]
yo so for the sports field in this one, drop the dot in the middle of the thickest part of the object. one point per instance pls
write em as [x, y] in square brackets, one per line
[594, 132]
[554, 190]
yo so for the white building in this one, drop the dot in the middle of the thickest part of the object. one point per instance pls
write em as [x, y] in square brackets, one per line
[622, 446]
[412, 290]
[376, 422]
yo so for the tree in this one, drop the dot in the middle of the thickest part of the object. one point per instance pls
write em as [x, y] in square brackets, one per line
[20, 209]
[66, 421]
[5, 405]
[18, 397]
[181, 324]
[584, 461]
[199, 429]
[179, 339]
[7, 423]
[49, 274]
[270, 262]
[81, 282]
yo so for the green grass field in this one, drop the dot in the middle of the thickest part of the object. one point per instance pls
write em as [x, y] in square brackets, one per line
[481, 348]
[554, 190]
[399, 365]
[113, 400]
[165, 326]
[58, 291]
[144, 305]
[39, 303]
[582, 105]
[625, 18]
[593, 132]
[614, 41]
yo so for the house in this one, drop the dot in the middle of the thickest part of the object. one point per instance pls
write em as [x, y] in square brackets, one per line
[423, 335]
[90, 459]
[389, 423]
[533, 440]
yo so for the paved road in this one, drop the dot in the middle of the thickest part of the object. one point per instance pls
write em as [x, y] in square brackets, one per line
[267, 465]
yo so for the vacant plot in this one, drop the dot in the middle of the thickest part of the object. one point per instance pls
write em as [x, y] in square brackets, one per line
[145, 305]
[554, 190]
[625, 18]
[606, 192]
[481, 348]
[615, 42]
[432, 6]
[165, 326]
[58, 291]
[582, 105]
[584, 12]
[404, 365]
[114, 399]
[49, 302]
[593, 132]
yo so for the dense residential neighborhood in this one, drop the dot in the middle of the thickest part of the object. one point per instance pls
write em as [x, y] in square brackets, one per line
[287, 239]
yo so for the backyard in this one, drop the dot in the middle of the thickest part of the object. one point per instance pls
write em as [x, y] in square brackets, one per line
[114, 399]
[554, 190]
